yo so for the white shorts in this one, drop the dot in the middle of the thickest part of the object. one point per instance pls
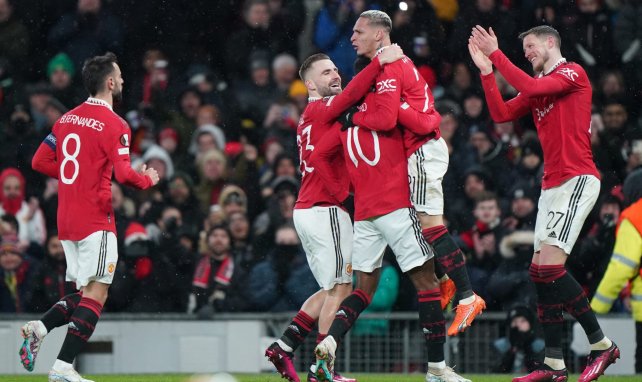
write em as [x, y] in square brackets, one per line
[400, 230]
[93, 258]
[562, 211]
[426, 169]
[326, 236]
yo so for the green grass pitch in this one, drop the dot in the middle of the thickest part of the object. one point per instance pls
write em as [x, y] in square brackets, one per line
[275, 378]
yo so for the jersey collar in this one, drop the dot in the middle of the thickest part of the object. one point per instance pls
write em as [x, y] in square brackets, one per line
[558, 63]
[99, 102]
[313, 99]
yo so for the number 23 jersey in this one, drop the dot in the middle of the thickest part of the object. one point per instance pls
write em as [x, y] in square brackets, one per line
[90, 142]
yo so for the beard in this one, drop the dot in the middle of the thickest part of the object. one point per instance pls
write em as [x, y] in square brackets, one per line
[117, 96]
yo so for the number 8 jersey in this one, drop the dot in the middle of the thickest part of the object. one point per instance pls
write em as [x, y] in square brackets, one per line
[90, 142]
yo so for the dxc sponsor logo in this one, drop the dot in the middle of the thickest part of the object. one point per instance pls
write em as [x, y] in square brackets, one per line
[389, 85]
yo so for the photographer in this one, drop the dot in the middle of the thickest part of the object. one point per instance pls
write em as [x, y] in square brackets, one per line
[519, 347]
[143, 281]
[591, 257]
[177, 251]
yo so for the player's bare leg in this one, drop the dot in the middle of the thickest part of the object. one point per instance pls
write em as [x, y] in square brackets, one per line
[451, 261]
[346, 315]
[558, 290]
[280, 353]
[431, 319]
[81, 327]
[333, 300]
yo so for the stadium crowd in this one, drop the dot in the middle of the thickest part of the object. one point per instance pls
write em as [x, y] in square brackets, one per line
[213, 99]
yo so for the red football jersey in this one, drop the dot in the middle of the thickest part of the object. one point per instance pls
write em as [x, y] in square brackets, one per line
[400, 80]
[317, 119]
[560, 102]
[90, 142]
[376, 162]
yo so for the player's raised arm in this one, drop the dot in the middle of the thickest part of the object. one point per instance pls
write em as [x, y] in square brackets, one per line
[486, 41]
[44, 160]
[321, 158]
[361, 83]
[118, 152]
[382, 116]
[500, 111]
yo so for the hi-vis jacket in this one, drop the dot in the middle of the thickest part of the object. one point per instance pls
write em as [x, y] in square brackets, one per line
[624, 266]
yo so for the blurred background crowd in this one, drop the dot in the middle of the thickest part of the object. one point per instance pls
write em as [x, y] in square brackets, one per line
[213, 99]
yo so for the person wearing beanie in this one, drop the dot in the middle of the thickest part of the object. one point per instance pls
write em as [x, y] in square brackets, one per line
[624, 267]
[60, 72]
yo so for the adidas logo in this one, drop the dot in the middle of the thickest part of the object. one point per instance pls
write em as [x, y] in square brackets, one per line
[294, 328]
[73, 326]
[341, 313]
[63, 304]
[427, 331]
[552, 235]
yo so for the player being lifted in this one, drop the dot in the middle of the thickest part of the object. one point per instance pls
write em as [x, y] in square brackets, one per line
[427, 156]
[559, 98]
[85, 146]
[378, 170]
[320, 219]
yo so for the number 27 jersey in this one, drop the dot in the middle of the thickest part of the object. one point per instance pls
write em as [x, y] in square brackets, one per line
[90, 141]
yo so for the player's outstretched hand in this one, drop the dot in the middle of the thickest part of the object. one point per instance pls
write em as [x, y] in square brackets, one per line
[390, 54]
[346, 118]
[483, 63]
[486, 41]
[151, 173]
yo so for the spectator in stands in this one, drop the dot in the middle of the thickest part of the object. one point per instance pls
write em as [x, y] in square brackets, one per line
[462, 81]
[609, 157]
[239, 226]
[278, 212]
[61, 71]
[610, 86]
[459, 213]
[415, 26]
[49, 284]
[144, 280]
[154, 88]
[14, 36]
[16, 276]
[627, 37]
[284, 71]
[588, 32]
[90, 30]
[20, 141]
[491, 155]
[333, 29]
[184, 121]
[258, 34]
[481, 242]
[177, 250]
[256, 93]
[212, 167]
[489, 14]
[12, 198]
[283, 281]
[218, 285]
[180, 194]
[530, 167]
[519, 347]
[510, 282]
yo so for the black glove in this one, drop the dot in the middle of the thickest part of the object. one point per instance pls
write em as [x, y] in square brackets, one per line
[346, 118]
